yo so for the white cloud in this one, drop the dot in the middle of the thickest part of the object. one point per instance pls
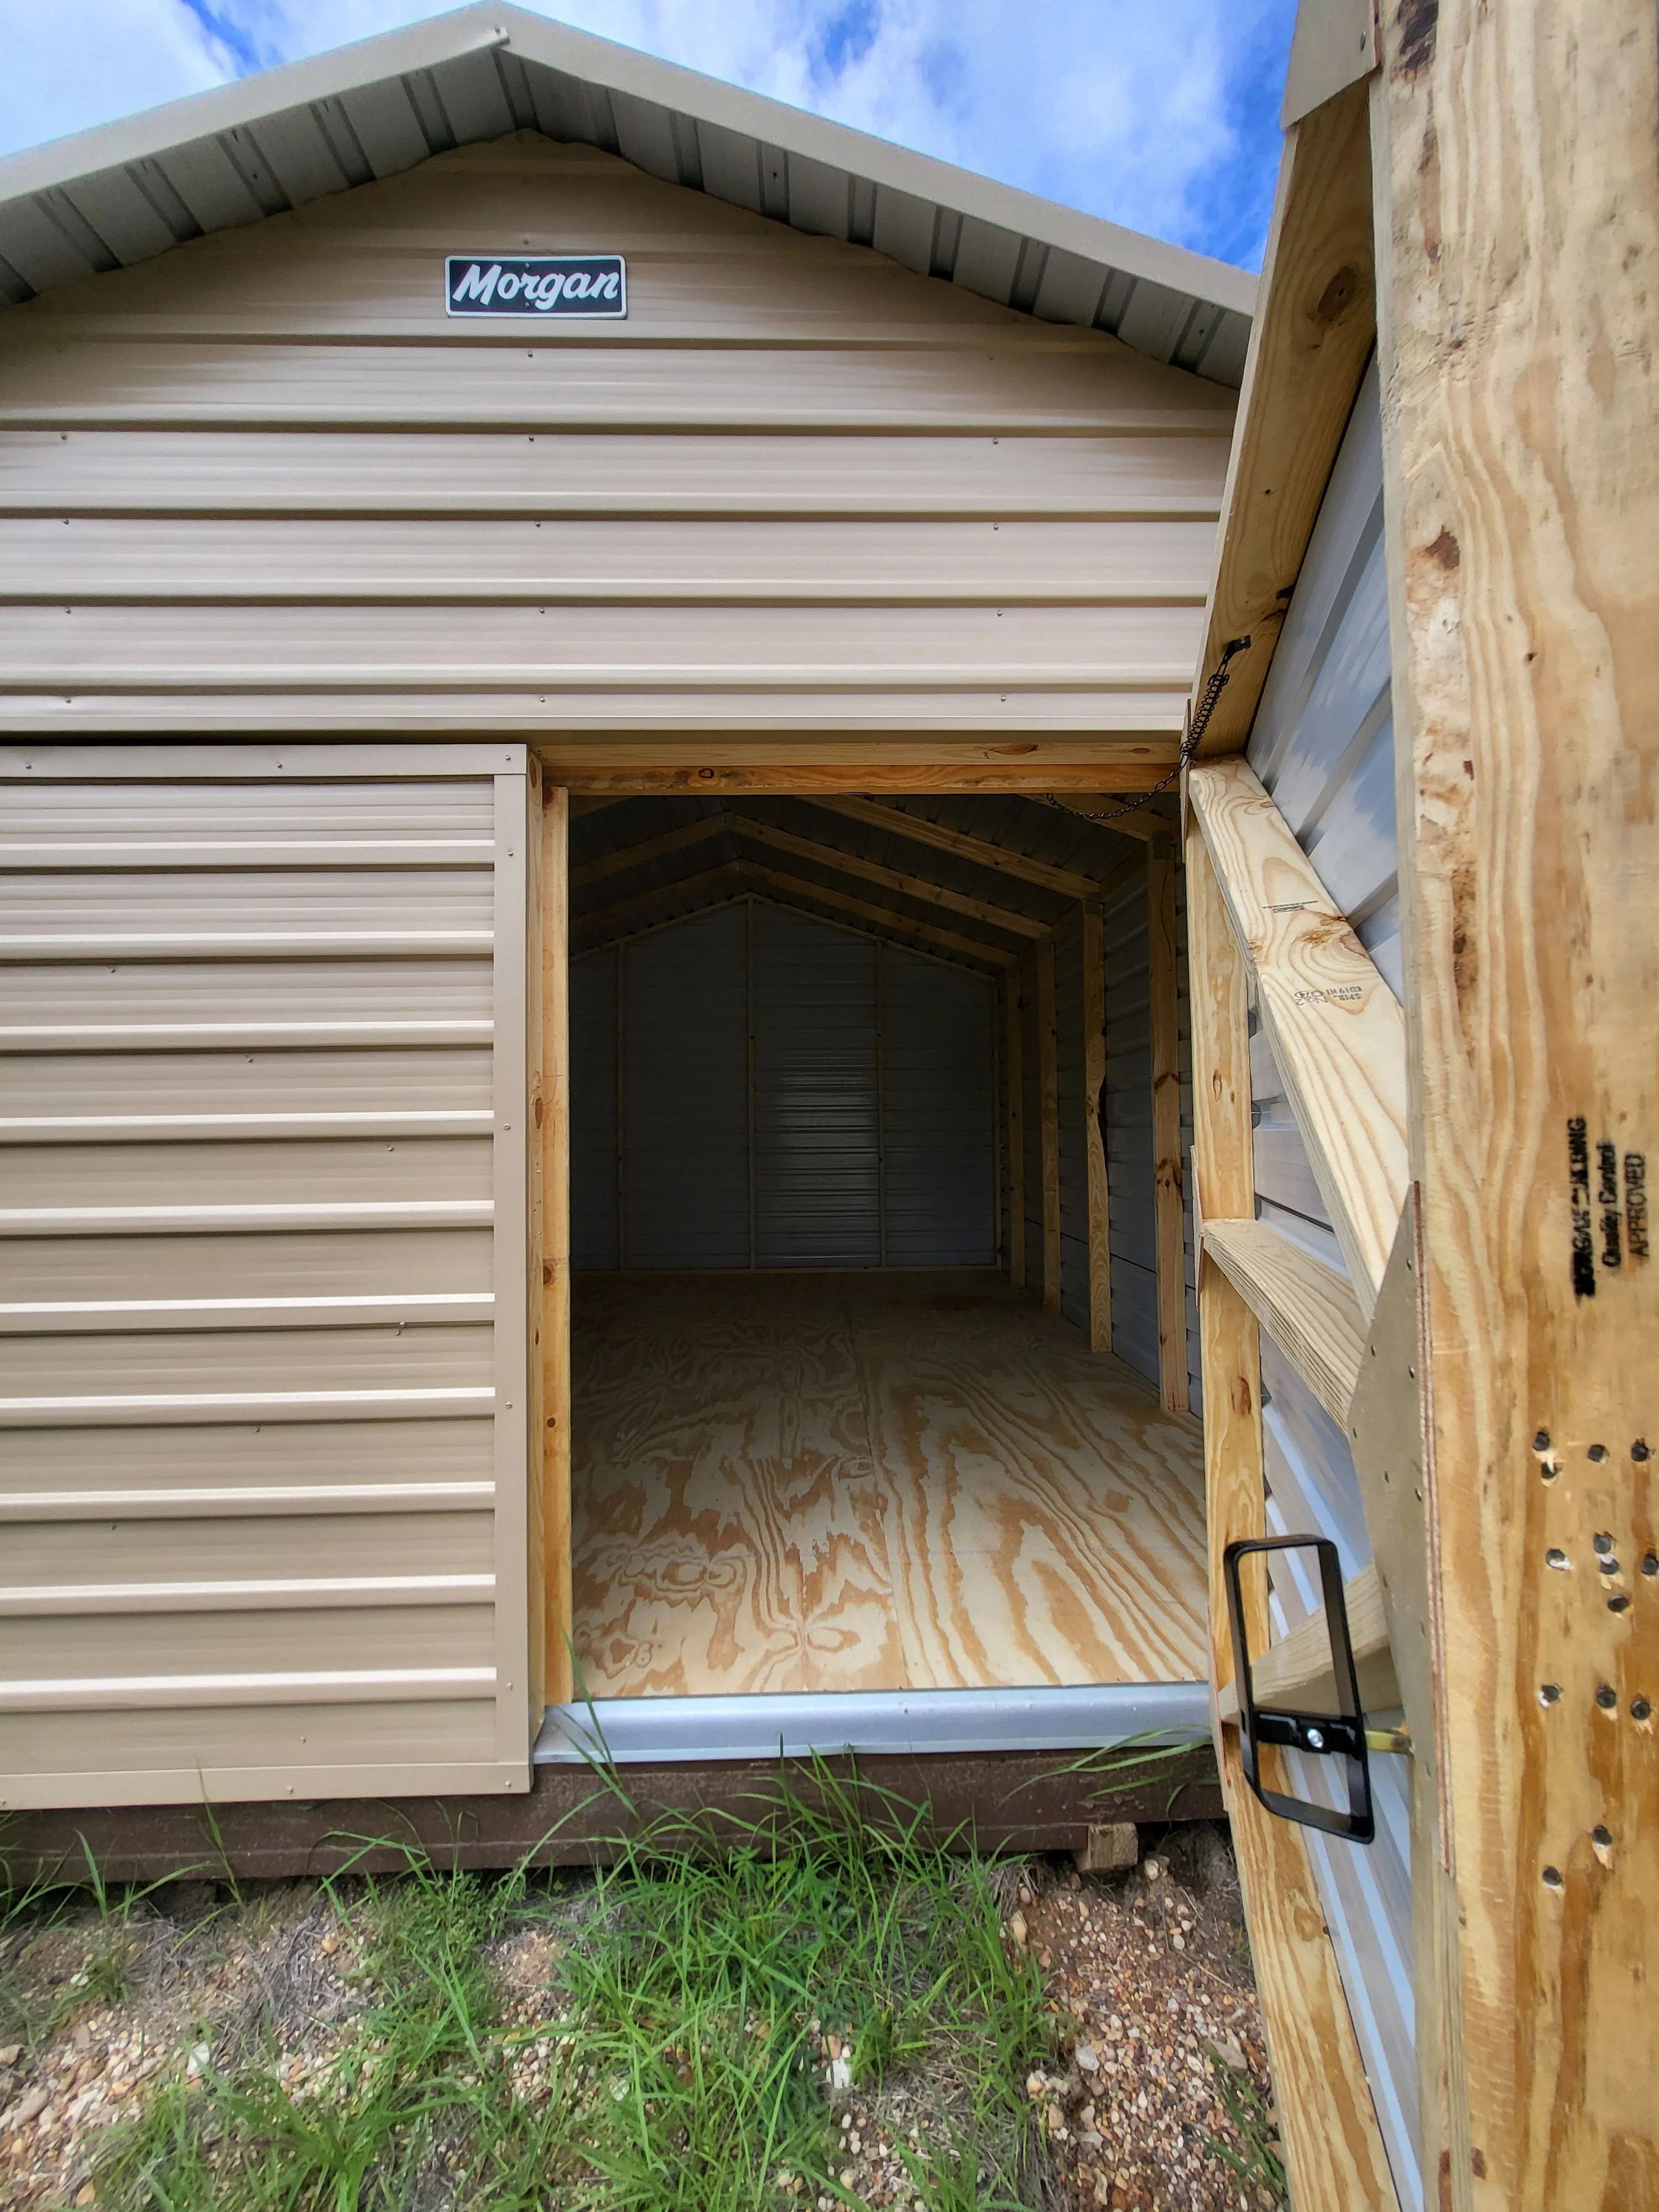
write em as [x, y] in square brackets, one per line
[68, 66]
[1162, 117]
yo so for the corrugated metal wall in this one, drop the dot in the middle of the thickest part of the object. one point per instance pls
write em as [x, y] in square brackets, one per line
[280, 488]
[857, 1080]
[265, 1244]
[1073, 1160]
[595, 1197]
[1323, 744]
[938, 1113]
[1323, 739]
[1133, 1236]
[820, 1166]
[684, 1144]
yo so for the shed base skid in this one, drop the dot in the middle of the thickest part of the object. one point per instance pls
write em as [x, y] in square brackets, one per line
[1007, 1801]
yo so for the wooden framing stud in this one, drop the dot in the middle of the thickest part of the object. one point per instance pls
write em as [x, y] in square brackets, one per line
[1168, 1212]
[1048, 1066]
[1014, 1077]
[554, 1104]
[1094, 1144]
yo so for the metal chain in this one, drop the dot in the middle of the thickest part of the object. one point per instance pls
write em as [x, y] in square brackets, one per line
[1196, 725]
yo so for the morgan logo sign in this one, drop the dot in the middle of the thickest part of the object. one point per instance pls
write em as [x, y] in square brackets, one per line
[537, 284]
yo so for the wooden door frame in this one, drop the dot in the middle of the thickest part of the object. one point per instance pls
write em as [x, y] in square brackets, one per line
[608, 766]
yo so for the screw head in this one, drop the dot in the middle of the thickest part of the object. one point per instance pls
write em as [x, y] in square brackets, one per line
[1315, 1739]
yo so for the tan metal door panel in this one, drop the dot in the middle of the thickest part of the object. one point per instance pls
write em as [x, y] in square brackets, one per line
[265, 1259]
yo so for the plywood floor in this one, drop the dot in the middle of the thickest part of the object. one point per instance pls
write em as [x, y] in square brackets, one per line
[794, 1482]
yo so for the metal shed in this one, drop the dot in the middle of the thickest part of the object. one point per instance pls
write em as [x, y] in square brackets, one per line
[599, 949]
[438, 739]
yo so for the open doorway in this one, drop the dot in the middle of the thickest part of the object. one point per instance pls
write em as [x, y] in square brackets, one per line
[864, 1358]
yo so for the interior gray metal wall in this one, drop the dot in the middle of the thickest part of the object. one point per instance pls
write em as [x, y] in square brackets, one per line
[792, 1094]
[1133, 1238]
[1030, 1064]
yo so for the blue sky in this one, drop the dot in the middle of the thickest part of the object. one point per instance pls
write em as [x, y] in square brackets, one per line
[1162, 114]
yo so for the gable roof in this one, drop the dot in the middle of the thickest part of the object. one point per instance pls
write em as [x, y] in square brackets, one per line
[105, 199]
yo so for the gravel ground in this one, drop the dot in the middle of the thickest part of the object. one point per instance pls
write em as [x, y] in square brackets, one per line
[1151, 1972]
[1147, 1972]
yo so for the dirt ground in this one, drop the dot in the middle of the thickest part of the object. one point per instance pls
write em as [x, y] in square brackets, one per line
[1164, 2105]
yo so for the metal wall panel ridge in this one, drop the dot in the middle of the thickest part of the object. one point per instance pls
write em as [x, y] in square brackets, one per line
[794, 1094]
[817, 1059]
[266, 1254]
[684, 1166]
[595, 1241]
[938, 1113]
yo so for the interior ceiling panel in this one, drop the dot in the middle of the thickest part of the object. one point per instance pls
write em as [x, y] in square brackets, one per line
[105, 199]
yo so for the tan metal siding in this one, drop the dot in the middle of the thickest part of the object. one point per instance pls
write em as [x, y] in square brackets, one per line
[264, 482]
[265, 1272]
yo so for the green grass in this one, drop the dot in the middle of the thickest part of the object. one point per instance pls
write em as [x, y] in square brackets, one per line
[108, 1955]
[674, 2061]
[1259, 2161]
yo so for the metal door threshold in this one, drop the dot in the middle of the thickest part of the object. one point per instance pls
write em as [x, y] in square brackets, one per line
[629, 1730]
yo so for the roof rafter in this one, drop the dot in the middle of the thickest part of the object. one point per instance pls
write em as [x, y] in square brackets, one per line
[893, 879]
[1066, 881]
[891, 917]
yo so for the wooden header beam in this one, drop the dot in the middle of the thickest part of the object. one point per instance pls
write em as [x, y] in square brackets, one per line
[705, 764]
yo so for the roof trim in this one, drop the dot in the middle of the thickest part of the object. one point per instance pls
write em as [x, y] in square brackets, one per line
[38, 185]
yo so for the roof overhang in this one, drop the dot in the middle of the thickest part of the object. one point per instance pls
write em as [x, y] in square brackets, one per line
[105, 199]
